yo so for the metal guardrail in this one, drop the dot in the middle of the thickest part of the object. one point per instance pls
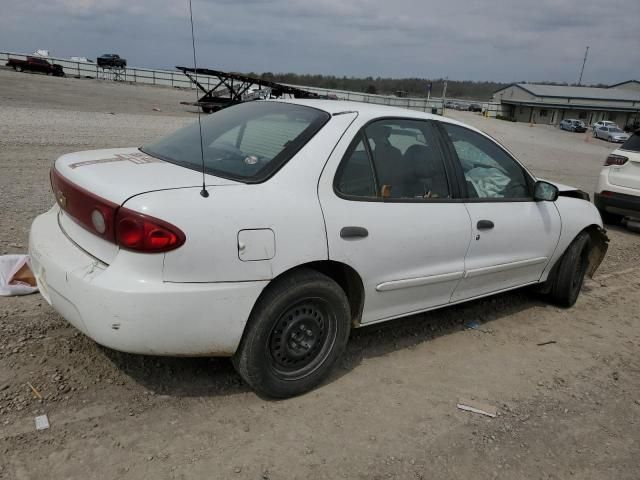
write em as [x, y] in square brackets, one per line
[148, 76]
[169, 78]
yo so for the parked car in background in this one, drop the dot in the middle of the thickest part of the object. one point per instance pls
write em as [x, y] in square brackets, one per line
[279, 258]
[449, 104]
[611, 134]
[604, 123]
[617, 194]
[81, 59]
[573, 125]
[111, 60]
[36, 64]
[475, 107]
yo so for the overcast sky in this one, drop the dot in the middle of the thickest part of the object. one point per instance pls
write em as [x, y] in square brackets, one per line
[503, 40]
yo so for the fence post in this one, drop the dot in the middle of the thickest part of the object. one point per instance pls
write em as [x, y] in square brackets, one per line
[154, 76]
[135, 77]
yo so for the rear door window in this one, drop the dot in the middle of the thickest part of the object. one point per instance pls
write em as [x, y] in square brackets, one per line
[394, 159]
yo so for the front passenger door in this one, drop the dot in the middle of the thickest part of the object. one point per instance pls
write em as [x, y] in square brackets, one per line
[513, 236]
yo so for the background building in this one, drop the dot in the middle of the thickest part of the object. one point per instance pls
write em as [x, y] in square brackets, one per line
[550, 104]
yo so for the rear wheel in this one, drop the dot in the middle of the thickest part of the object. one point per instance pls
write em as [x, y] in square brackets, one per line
[569, 277]
[297, 330]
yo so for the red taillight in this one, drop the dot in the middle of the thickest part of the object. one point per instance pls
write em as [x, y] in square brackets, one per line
[130, 230]
[615, 160]
[142, 233]
[90, 211]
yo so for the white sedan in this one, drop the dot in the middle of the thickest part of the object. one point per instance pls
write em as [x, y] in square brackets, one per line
[316, 217]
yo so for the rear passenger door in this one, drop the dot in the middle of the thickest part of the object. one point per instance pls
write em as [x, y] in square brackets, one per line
[513, 236]
[387, 196]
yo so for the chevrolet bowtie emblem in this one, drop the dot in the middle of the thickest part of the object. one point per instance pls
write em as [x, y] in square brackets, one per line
[62, 200]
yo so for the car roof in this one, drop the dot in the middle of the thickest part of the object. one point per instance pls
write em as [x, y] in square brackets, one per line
[372, 110]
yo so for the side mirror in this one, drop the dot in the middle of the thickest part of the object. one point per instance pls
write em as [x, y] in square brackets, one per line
[545, 192]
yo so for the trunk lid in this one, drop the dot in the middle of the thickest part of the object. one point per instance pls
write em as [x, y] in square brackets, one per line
[116, 175]
[119, 173]
[627, 175]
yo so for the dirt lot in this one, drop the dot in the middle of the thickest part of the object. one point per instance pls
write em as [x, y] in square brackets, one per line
[569, 409]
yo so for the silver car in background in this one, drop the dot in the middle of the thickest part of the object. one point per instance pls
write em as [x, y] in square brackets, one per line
[573, 125]
[611, 134]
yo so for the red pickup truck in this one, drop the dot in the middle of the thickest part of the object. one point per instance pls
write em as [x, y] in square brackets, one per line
[36, 64]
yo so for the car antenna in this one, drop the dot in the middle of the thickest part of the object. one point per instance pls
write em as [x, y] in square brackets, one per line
[203, 192]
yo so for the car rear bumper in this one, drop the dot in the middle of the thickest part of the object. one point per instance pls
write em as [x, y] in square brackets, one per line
[618, 204]
[135, 312]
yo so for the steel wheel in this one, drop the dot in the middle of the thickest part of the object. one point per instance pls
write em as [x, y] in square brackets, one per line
[302, 338]
[297, 330]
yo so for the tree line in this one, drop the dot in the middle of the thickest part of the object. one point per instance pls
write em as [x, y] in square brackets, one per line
[413, 87]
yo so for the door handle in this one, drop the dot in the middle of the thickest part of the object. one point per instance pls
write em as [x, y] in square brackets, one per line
[353, 232]
[485, 224]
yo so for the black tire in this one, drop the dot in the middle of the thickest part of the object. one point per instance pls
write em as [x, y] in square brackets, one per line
[297, 330]
[569, 276]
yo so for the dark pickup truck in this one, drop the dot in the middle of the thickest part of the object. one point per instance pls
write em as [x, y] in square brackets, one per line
[36, 64]
[111, 60]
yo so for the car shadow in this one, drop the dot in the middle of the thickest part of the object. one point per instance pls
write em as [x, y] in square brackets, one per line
[179, 376]
[406, 333]
[208, 377]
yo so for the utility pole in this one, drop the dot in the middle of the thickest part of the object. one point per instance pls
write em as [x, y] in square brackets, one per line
[444, 94]
[583, 63]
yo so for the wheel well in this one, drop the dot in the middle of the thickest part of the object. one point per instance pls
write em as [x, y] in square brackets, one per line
[345, 276]
[599, 244]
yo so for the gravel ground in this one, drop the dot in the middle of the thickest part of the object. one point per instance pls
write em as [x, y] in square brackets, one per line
[569, 409]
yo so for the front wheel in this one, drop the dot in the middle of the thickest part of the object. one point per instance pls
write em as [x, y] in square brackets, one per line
[296, 332]
[567, 283]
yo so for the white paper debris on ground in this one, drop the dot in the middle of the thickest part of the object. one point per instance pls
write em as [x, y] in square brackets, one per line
[42, 422]
[16, 277]
[477, 407]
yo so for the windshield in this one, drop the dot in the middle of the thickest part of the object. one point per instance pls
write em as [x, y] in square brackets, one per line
[246, 142]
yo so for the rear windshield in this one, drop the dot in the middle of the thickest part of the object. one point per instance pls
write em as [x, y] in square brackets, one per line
[247, 142]
[633, 144]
